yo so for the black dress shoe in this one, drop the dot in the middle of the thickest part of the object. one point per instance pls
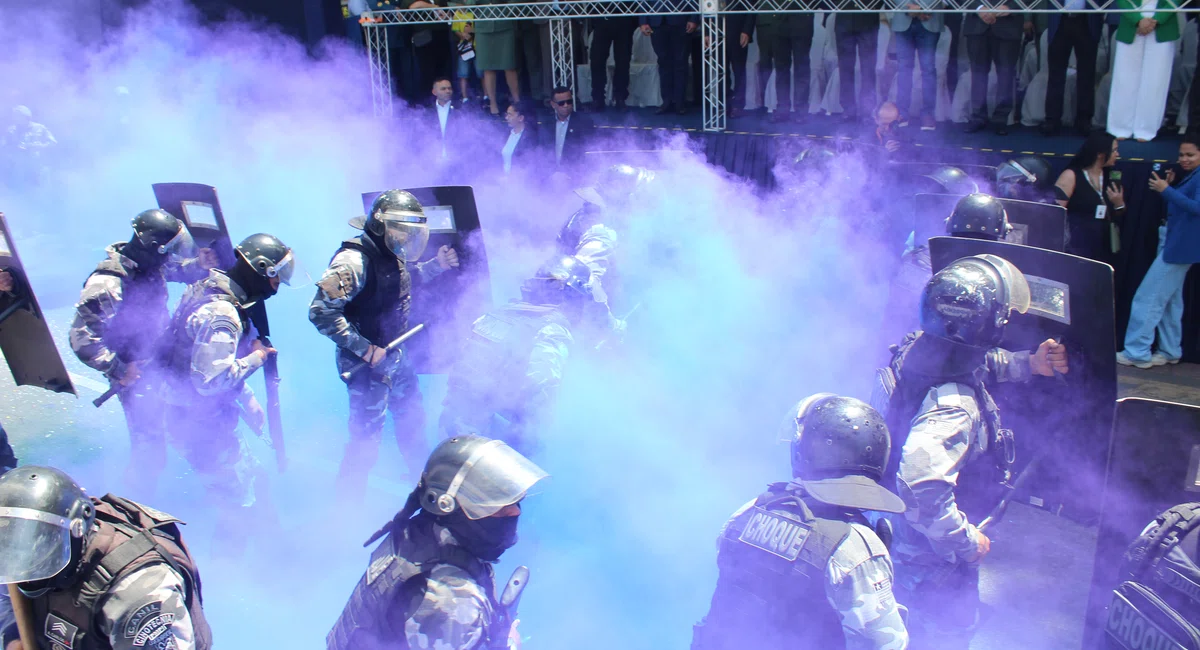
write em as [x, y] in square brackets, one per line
[682, 110]
[1001, 128]
[779, 116]
[1083, 127]
[621, 105]
[664, 109]
[1050, 128]
[975, 126]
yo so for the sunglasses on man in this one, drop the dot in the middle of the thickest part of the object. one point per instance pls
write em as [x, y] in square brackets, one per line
[565, 102]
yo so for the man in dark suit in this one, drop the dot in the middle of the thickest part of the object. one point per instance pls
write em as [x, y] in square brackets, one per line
[857, 35]
[1072, 30]
[739, 32]
[615, 34]
[571, 132]
[784, 44]
[994, 37]
[444, 122]
[670, 37]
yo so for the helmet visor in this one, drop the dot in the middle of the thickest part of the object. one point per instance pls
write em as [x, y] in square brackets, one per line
[1012, 172]
[1016, 287]
[407, 239]
[34, 545]
[284, 269]
[494, 477]
[181, 247]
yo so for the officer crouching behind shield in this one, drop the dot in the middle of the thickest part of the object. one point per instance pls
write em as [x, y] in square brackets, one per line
[98, 573]
[362, 305]
[801, 566]
[514, 358]
[430, 582]
[950, 455]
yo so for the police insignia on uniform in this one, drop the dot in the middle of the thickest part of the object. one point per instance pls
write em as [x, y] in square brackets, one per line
[60, 632]
[150, 627]
[775, 534]
[1134, 630]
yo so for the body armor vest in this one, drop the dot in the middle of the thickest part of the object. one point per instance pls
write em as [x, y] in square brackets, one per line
[1157, 604]
[175, 351]
[380, 310]
[771, 589]
[931, 362]
[127, 537]
[496, 355]
[577, 224]
[394, 585]
[132, 332]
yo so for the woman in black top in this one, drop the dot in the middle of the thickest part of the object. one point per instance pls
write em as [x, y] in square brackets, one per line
[1093, 203]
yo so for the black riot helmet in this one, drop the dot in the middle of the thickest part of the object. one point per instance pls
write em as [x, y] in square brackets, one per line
[1026, 178]
[840, 447]
[45, 518]
[563, 280]
[814, 160]
[158, 237]
[475, 476]
[952, 180]
[397, 223]
[260, 259]
[971, 300]
[616, 186]
[978, 216]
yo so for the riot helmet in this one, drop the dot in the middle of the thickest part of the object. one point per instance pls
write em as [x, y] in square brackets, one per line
[158, 238]
[45, 518]
[952, 180]
[1024, 178]
[476, 476]
[616, 186]
[817, 159]
[262, 258]
[840, 447]
[397, 224]
[970, 300]
[978, 216]
[563, 280]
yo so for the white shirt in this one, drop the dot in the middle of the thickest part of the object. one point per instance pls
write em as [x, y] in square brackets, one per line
[560, 136]
[443, 115]
[509, 147]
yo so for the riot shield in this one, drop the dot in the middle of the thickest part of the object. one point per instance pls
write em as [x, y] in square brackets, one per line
[448, 304]
[1153, 464]
[25, 338]
[1034, 224]
[1067, 419]
[197, 206]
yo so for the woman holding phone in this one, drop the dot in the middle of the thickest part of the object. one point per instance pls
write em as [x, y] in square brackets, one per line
[1158, 303]
[1093, 202]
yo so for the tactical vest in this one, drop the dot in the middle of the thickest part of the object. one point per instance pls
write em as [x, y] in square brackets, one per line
[578, 223]
[771, 589]
[380, 310]
[1157, 605]
[133, 330]
[394, 586]
[492, 368]
[127, 537]
[898, 396]
[176, 347]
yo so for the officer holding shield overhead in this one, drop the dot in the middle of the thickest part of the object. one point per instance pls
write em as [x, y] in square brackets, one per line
[951, 457]
[362, 304]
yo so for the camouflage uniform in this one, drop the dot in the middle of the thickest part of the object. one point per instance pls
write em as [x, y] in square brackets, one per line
[856, 584]
[455, 609]
[209, 363]
[586, 237]
[948, 438]
[119, 316]
[510, 370]
[391, 386]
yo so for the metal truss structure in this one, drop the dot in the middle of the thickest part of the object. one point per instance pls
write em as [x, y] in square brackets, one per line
[709, 12]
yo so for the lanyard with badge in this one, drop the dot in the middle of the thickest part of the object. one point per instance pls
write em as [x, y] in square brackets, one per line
[1102, 209]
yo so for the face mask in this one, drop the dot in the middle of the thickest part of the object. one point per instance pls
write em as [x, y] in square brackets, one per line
[486, 538]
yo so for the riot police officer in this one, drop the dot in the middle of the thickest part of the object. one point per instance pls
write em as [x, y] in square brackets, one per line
[1028, 178]
[801, 566]
[950, 454]
[362, 304]
[100, 573]
[121, 312]
[430, 582]
[592, 233]
[514, 358]
[8, 460]
[213, 349]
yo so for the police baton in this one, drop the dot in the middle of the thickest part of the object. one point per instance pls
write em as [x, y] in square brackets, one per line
[346, 376]
[24, 615]
[1001, 507]
[107, 395]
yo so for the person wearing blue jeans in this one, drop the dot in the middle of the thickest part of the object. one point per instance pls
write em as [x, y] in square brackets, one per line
[1158, 303]
[917, 35]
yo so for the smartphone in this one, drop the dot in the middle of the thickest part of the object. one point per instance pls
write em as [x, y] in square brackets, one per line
[1157, 168]
[1114, 178]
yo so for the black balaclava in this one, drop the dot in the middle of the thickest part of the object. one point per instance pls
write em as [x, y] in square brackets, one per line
[147, 260]
[486, 538]
[257, 287]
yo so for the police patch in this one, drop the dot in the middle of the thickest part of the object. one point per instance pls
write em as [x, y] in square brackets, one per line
[1131, 629]
[775, 534]
[60, 632]
[150, 627]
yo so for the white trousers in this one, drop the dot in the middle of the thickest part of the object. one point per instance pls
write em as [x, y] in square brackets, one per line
[1141, 78]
